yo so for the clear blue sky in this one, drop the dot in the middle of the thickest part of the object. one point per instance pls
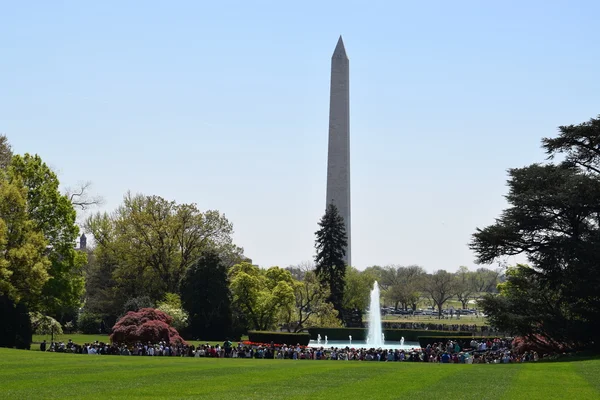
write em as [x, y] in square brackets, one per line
[226, 104]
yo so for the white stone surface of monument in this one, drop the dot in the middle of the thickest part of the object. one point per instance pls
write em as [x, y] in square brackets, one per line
[338, 159]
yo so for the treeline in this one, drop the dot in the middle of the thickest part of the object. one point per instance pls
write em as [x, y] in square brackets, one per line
[153, 252]
[40, 269]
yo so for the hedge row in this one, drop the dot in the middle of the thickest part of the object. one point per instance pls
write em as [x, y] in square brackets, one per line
[409, 335]
[279, 337]
[463, 342]
[431, 324]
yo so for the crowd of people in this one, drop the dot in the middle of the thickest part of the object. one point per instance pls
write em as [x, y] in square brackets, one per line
[491, 351]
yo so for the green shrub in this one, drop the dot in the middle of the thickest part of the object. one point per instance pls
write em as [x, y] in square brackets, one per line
[279, 337]
[44, 325]
[409, 335]
[89, 323]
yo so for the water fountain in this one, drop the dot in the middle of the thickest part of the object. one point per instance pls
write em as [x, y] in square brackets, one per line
[375, 336]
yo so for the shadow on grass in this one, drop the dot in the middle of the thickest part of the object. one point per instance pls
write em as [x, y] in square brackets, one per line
[587, 355]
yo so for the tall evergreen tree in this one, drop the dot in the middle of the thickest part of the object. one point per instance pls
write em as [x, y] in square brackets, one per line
[553, 219]
[331, 246]
[205, 296]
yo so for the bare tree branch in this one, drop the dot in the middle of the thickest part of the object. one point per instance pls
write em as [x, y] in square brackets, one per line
[80, 196]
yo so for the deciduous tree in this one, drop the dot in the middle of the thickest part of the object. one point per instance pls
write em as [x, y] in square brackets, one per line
[311, 307]
[439, 287]
[149, 243]
[23, 264]
[464, 288]
[52, 214]
[261, 295]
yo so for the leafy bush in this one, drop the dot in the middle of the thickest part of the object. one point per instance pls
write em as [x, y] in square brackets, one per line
[279, 337]
[145, 325]
[171, 305]
[89, 323]
[137, 303]
[410, 335]
[180, 317]
[44, 325]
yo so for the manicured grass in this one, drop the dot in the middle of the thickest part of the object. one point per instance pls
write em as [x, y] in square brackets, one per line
[35, 375]
[75, 337]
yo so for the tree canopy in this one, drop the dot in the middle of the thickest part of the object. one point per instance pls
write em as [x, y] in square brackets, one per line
[262, 296]
[554, 220]
[45, 219]
[23, 263]
[206, 297]
[148, 243]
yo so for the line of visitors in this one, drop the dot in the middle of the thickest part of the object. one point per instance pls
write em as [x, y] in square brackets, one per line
[490, 351]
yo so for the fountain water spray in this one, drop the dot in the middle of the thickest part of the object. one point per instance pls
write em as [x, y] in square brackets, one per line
[375, 337]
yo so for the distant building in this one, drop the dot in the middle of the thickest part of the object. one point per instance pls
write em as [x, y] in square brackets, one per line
[82, 242]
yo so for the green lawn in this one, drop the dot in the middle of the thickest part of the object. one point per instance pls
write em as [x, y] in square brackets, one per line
[35, 375]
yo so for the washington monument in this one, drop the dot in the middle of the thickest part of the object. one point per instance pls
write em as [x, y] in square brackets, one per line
[338, 159]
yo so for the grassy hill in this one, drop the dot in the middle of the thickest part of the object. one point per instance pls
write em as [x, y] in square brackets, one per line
[35, 375]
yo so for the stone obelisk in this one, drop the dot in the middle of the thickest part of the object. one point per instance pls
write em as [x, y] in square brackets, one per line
[338, 161]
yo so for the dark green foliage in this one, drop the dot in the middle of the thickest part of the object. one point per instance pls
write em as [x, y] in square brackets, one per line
[554, 220]
[206, 298]
[15, 326]
[331, 244]
[23, 329]
[7, 327]
[137, 303]
[279, 338]
[89, 323]
[409, 335]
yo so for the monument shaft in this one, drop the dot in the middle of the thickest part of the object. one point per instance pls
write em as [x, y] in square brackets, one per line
[338, 160]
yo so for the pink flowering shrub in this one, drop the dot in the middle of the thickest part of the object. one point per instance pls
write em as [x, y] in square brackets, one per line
[145, 325]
